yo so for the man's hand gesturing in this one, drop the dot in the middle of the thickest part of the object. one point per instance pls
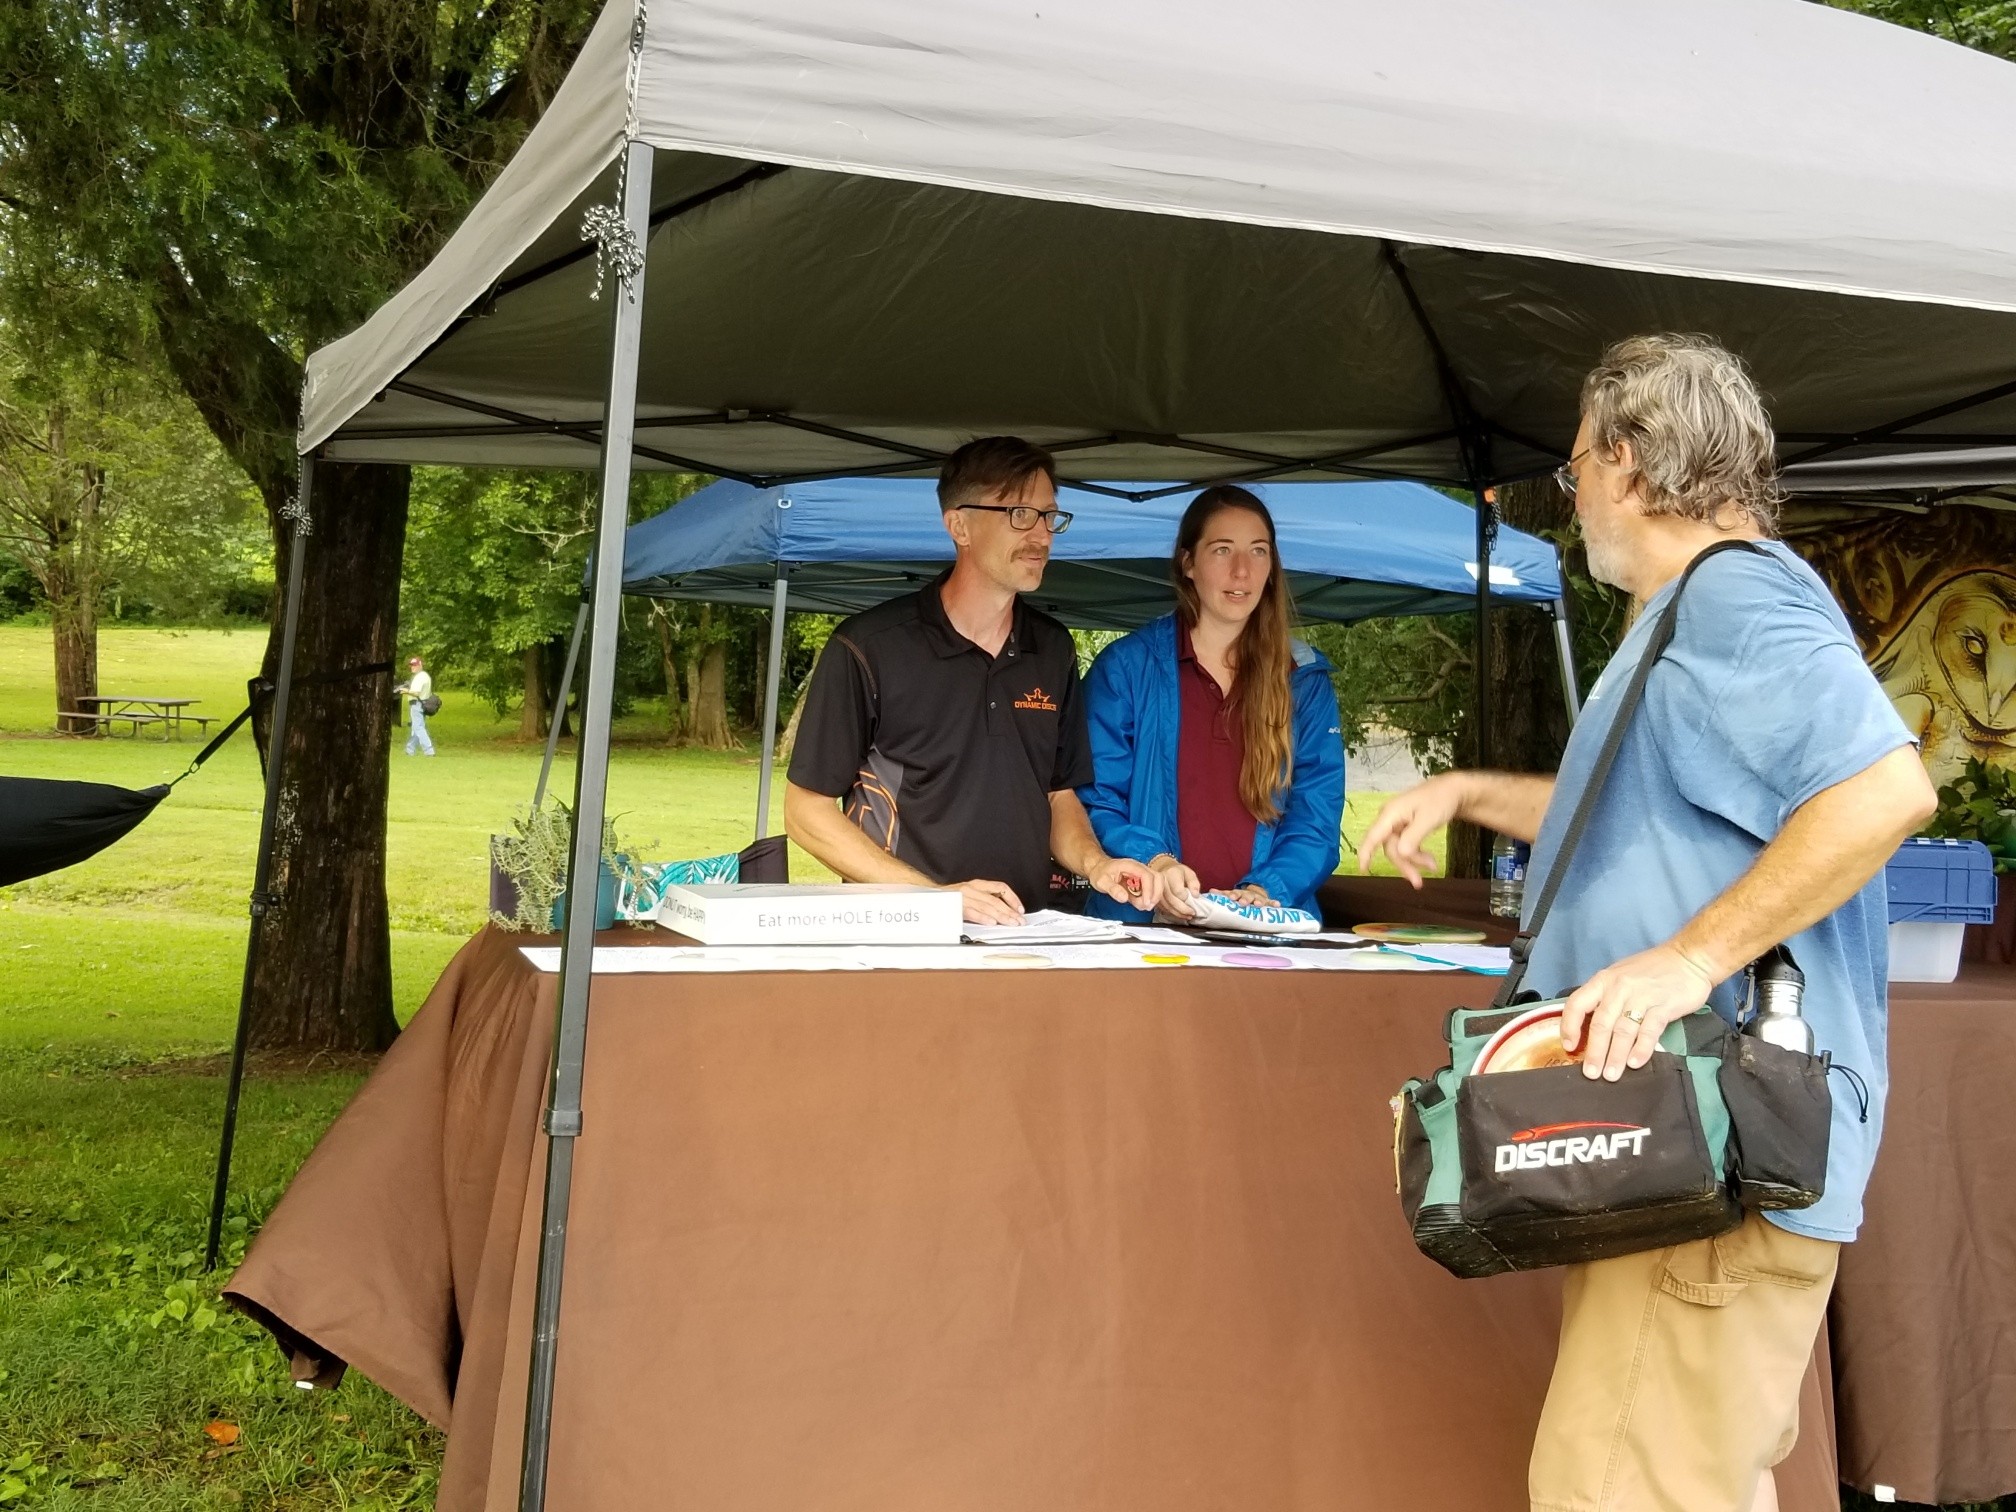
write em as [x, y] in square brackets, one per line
[1405, 823]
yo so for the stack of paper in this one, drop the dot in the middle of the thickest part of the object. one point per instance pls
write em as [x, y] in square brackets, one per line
[1046, 926]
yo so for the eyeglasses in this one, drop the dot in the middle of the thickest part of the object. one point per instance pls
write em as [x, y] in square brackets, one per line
[1564, 475]
[1025, 516]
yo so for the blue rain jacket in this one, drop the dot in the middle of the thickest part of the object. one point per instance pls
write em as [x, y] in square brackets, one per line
[1134, 710]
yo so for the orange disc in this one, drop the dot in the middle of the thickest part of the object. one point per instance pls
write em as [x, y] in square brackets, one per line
[1529, 1043]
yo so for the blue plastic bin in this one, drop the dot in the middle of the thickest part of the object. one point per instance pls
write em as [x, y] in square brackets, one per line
[1937, 888]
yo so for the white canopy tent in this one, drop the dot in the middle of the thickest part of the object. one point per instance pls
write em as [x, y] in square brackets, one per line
[1177, 240]
[882, 227]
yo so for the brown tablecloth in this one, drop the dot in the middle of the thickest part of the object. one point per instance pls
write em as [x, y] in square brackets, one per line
[1924, 1314]
[977, 1240]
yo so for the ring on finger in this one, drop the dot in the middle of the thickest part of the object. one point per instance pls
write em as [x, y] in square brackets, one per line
[1636, 1017]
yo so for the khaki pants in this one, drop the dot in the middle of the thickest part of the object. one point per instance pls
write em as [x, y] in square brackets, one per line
[1677, 1381]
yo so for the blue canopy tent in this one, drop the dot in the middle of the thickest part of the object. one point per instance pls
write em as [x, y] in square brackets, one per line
[839, 545]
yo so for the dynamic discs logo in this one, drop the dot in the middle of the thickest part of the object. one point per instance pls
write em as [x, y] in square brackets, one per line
[1561, 1144]
[1037, 699]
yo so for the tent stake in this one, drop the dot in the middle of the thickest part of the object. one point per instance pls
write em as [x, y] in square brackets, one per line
[560, 705]
[776, 672]
[262, 868]
[584, 864]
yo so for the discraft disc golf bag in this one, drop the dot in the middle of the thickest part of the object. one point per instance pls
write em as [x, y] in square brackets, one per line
[1516, 1169]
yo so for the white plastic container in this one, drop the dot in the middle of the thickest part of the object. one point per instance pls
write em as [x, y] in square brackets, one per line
[1925, 952]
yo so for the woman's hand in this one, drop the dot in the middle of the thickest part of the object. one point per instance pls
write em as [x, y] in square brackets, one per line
[1179, 885]
[1253, 895]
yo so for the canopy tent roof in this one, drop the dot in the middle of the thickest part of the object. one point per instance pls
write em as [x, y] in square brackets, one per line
[1978, 475]
[881, 230]
[1352, 550]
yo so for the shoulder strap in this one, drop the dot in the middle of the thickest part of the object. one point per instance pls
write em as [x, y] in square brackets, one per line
[1599, 774]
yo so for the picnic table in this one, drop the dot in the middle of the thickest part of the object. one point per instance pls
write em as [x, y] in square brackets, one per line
[134, 710]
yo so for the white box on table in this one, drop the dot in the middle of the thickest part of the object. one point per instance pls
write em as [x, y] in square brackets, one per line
[839, 913]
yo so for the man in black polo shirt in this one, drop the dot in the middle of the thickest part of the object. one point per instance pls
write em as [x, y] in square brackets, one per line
[948, 722]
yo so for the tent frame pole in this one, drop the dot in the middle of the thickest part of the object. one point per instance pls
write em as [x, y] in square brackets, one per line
[560, 704]
[263, 897]
[1564, 641]
[1564, 644]
[780, 593]
[1487, 536]
[591, 791]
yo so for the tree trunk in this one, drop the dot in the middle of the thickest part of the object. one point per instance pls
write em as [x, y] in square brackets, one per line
[668, 656]
[532, 714]
[710, 704]
[70, 576]
[75, 623]
[324, 967]
[1529, 720]
[71, 585]
[789, 740]
[553, 662]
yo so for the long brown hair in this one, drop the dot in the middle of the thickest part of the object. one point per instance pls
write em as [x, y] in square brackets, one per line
[1262, 658]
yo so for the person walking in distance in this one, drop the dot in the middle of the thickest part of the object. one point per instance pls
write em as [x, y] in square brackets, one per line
[419, 689]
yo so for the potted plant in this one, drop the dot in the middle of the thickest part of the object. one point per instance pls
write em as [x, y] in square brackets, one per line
[528, 872]
[1980, 804]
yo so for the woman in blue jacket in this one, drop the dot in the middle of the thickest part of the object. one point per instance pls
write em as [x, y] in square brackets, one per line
[1216, 753]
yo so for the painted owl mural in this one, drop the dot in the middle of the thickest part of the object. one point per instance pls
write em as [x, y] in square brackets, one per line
[1932, 599]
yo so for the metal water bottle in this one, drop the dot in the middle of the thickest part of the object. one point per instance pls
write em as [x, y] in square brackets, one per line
[1780, 987]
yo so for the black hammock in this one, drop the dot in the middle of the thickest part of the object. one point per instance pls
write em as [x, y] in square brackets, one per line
[47, 823]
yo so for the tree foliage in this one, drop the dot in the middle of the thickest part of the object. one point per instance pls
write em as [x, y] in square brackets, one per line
[176, 533]
[494, 565]
[250, 178]
[1986, 27]
[253, 177]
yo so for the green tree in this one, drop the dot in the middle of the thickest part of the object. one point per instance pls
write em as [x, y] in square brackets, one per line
[494, 566]
[110, 486]
[256, 176]
[1988, 27]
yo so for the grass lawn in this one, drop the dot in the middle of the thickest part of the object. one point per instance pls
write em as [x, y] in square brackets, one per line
[123, 1383]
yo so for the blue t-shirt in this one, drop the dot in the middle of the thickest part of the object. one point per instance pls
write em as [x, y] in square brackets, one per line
[1761, 701]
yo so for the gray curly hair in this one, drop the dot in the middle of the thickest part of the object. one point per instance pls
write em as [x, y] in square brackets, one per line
[1700, 439]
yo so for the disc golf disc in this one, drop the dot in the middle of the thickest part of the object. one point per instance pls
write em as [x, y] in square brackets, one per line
[1529, 1042]
[1419, 934]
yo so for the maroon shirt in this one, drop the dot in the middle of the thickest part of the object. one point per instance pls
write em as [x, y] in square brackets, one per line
[1212, 825]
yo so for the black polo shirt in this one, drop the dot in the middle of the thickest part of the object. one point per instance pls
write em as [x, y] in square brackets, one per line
[947, 756]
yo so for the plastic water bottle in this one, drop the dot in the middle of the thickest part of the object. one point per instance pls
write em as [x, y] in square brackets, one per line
[1781, 989]
[1508, 876]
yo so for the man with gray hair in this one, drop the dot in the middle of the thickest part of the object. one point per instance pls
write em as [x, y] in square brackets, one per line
[1757, 793]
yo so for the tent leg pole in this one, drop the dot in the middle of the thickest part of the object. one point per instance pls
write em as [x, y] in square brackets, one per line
[584, 865]
[776, 673]
[560, 705]
[262, 868]
[1487, 523]
[1564, 645]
